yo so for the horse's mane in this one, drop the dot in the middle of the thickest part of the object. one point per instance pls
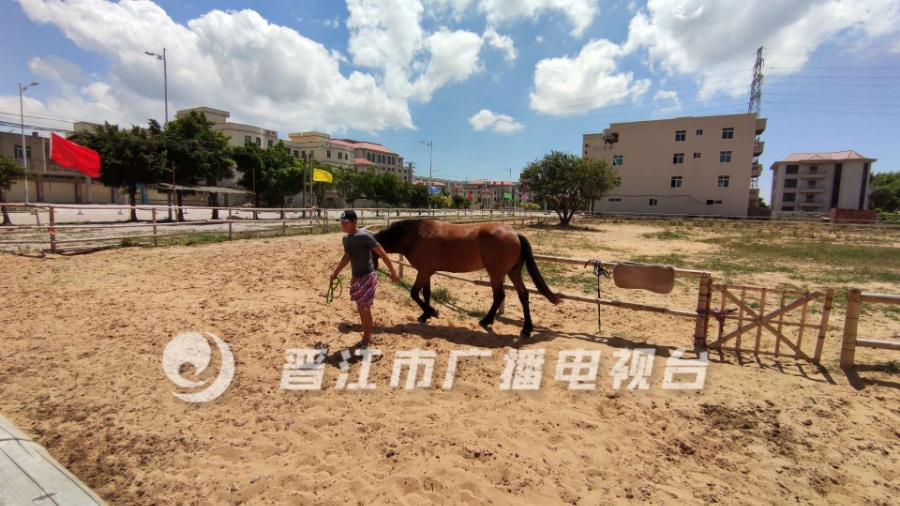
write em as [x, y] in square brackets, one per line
[394, 236]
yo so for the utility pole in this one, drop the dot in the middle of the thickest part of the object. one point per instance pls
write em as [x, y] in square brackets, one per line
[430, 145]
[24, 147]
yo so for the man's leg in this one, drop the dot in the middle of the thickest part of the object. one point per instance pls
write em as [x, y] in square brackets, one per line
[365, 317]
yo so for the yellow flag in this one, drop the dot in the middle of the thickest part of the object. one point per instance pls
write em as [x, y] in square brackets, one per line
[322, 176]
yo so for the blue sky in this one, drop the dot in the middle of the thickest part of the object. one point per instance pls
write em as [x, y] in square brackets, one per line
[494, 84]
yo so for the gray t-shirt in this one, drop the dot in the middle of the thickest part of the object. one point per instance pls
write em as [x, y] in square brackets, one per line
[358, 247]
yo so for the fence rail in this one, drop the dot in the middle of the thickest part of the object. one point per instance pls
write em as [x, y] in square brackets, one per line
[855, 299]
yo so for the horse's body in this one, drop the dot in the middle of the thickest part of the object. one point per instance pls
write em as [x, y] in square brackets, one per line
[434, 245]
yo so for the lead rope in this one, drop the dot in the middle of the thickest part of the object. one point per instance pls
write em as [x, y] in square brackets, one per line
[332, 284]
[598, 271]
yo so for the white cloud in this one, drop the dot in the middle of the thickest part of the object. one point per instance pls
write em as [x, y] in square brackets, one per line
[454, 57]
[501, 42]
[539, 39]
[715, 38]
[580, 13]
[487, 120]
[456, 8]
[669, 104]
[566, 86]
[236, 61]
[56, 69]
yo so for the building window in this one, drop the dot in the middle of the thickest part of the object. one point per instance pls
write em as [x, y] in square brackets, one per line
[328, 153]
[728, 133]
[696, 155]
[787, 208]
[725, 156]
[259, 142]
[789, 197]
[810, 197]
[654, 202]
[615, 200]
[790, 183]
[617, 160]
[618, 182]
[270, 143]
[809, 184]
[676, 182]
[19, 152]
[711, 202]
[792, 169]
[247, 140]
[586, 145]
[814, 169]
[723, 181]
[296, 154]
[678, 158]
[303, 154]
[699, 131]
[312, 154]
[680, 135]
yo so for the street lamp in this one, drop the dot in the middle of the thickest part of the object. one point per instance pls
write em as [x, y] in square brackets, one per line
[165, 78]
[430, 145]
[24, 148]
[166, 98]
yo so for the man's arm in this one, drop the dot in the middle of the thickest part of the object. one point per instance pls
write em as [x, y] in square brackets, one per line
[343, 263]
[387, 261]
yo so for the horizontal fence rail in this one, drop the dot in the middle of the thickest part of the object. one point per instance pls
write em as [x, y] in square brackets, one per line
[851, 341]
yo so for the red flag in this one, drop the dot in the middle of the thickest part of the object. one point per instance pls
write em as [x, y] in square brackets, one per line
[69, 154]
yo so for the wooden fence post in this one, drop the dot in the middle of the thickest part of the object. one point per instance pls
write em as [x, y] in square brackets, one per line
[52, 230]
[155, 236]
[230, 226]
[826, 311]
[399, 262]
[703, 303]
[851, 326]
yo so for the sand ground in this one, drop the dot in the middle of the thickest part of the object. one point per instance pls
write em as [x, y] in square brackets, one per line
[80, 370]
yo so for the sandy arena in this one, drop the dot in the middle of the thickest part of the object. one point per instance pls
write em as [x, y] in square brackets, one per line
[80, 371]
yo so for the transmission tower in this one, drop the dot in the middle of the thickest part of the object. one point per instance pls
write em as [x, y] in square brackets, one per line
[756, 85]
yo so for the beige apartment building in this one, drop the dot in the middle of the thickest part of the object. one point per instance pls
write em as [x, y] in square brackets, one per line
[819, 182]
[694, 165]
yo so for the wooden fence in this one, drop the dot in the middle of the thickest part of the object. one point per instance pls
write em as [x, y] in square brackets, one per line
[855, 299]
[60, 238]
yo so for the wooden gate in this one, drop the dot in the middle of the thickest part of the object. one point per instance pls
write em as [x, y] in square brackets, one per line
[764, 321]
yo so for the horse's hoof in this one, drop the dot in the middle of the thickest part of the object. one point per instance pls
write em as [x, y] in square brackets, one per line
[525, 334]
[434, 313]
[423, 319]
[485, 326]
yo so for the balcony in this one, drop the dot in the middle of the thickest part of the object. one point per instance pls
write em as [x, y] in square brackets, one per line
[758, 148]
[811, 203]
[811, 189]
[760, 125]
[754, 193]
[808, 174]
[756, 170]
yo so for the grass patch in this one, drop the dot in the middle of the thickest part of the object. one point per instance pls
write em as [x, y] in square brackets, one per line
[892, 367]
[667, 235]
[442, 296]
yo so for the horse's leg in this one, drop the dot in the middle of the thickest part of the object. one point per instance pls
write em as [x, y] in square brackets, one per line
[499, 295]
[422, 279]
[515, 276]
[426, 291]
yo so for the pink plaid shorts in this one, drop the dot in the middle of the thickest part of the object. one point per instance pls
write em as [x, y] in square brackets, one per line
[362, 289]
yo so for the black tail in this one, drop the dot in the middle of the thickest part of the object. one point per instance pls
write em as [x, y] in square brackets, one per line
[533, 271]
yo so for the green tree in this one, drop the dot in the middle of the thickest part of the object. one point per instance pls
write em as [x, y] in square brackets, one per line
[385, 187]
[199, 153]
[320, 187]
[461, 202]
[441, 201]
[349, 185]
[885, 192]
[128, 158]
[568, 181]
[275, 173]
[418, 196]
[10, 172]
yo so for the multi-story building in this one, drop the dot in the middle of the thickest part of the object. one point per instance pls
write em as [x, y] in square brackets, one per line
[819, 182]
[487, 194]
[704, 165]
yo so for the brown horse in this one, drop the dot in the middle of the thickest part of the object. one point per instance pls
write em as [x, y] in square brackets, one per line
[435, 245]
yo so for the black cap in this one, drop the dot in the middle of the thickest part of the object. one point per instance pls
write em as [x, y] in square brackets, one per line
[348, 215]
